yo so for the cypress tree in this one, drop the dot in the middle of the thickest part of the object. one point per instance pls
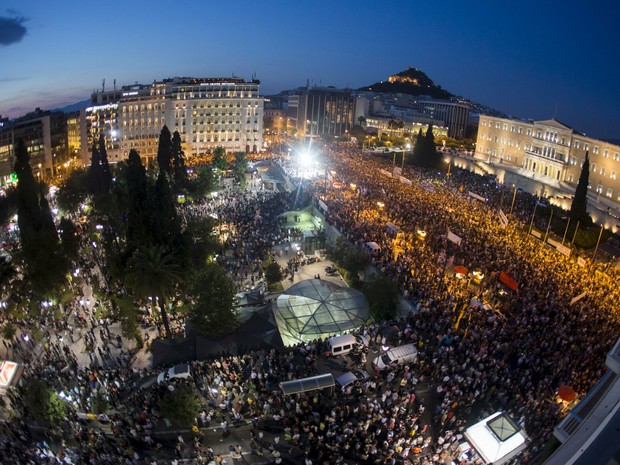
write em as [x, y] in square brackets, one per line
[417, 156]
[178, 161]
[28, 211]
[579, 206]
[106, 173]
[139, 212]
[430, 151]
[167, 226]
[164, 151]
[94, 172]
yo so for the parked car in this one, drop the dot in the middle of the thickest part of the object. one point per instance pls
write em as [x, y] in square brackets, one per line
[177, 371]
[397, 356]
[352, 377]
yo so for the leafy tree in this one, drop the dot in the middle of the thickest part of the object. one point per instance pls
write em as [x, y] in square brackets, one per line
[73, 191]
[153, 274]
[105, 172]
[349, 257]
[180, 406]
[164, 151]
[8, 205]
[579, 206]
[382, 295]
[204, 184]
[241, 165]
[44, 403]
[69, 239]
[219, 159]
[213, 311]
[198, 243]
[178, 162]
[273, 273]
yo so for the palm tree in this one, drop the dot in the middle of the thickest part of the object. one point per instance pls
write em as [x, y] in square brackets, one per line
[153, 274]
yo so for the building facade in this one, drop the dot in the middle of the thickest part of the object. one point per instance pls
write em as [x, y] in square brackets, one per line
[454, 115]
[321, 111]
[45, 136]
[552, 153]
[207, 112]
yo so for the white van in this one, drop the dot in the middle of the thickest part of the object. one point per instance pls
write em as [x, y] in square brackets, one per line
[342, 345]
[397, 356]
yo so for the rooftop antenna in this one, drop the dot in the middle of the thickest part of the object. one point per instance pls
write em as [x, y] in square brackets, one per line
[103, 85]
[115, 84]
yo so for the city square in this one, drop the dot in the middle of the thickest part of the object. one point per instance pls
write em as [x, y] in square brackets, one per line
[321, 261]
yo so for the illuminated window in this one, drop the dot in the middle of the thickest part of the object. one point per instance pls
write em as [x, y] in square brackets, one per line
[609, 193]
[576, 144]
[606, 153]
[613, 174]
[595, 149]
[616, 156]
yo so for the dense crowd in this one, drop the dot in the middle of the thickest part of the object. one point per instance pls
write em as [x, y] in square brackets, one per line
[512, 359]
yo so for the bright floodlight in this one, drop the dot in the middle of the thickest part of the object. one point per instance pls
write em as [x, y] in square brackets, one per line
[306, 158]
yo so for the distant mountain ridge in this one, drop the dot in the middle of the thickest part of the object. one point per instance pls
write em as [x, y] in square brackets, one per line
[75, 106]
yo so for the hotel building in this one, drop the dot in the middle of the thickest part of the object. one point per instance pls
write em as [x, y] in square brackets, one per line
[207, 112]
[551, 153]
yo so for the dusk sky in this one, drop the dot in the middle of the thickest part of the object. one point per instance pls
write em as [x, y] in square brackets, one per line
[524, 59]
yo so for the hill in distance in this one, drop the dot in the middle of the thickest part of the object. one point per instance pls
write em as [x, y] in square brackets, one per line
[412, 81]
[75, 106]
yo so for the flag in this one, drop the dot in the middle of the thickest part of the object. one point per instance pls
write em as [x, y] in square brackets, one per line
[454, 238]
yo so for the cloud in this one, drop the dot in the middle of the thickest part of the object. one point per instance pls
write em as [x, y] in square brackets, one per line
[12, 30]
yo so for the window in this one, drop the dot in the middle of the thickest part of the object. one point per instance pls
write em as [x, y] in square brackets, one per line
[616, 156]
[595, 149]
[529, 132]
[613, 175]
[483, 122]
[599, 188]
[593, 167]
[586, 147]
[498, 125]
[512, 129]
[563, 140]
[606, 153]
[576, 144]
[570, 178]
[602, 171]
[609, 193]
[505, 127]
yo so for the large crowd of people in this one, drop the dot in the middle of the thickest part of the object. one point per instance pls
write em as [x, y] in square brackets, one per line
[512, 358]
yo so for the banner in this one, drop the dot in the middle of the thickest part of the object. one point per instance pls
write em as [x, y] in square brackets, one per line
[477, 197]
[503, 218]
[563, 249]
[322, 205]
[428, 188]
[536, 234]
[581, 261]
[454, 238]
[397, 172]
[386, 173]
[404, 180]
[579, 297]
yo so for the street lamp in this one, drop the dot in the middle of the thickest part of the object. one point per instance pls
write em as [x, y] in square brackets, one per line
[402, 162]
